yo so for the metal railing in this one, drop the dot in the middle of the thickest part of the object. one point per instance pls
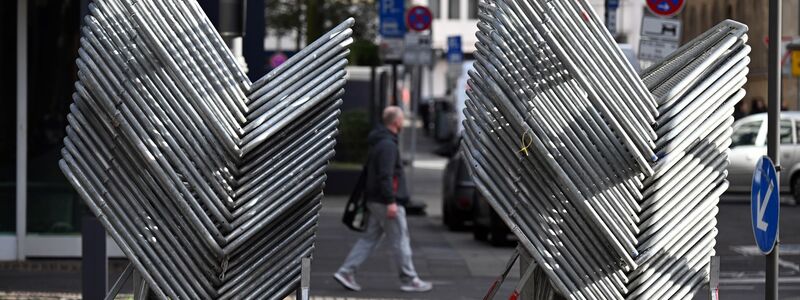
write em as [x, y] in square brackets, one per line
[609, 179]
[210, 184]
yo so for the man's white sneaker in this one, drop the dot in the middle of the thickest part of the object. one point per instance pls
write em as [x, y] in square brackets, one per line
[347, 281]
[416, 285]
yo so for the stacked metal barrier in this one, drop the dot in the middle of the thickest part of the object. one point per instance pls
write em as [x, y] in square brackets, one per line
[209, 184]
[609, 180]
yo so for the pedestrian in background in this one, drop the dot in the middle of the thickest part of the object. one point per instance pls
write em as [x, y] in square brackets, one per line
[385, 193]
[759, 106]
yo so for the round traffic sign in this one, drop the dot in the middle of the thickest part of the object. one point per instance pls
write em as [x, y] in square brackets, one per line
[277, 59]
[665, 8]
[419, 18]
[765, 204]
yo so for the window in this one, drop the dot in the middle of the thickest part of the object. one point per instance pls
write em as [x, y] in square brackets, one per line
[786, 132]
[745, 134]
[796, 132]
[434, 6]
[53, 205]
[453, 9]
[8, 116]
[472, 9]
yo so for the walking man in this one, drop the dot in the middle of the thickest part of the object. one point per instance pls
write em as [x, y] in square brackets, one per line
[385, 193]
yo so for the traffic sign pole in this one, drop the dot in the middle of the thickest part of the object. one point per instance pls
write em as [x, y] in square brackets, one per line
[773, 133]
[419, 19]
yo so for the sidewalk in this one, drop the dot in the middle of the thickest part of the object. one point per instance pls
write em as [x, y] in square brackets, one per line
[458, 266]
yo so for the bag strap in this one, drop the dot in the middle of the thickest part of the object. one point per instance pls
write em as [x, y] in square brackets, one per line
[358, 190]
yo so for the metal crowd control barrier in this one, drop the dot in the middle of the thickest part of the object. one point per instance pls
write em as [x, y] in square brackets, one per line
[210, 184]
[609, 179]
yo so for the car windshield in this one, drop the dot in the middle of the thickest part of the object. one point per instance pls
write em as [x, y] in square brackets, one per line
[745, 134]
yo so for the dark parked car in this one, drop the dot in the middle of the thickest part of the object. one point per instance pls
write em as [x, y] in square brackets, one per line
[458, 193]
[463, 204]
[487, 224]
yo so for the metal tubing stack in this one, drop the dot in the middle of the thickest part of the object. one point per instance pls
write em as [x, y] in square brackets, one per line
[609, 179]
[210, 184]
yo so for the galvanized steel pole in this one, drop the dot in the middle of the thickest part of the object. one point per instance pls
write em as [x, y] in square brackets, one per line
[773, 131]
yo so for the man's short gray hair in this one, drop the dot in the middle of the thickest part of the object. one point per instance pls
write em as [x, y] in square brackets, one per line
[390, 113]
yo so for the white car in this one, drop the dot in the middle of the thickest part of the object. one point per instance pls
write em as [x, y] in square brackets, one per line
[749, 143]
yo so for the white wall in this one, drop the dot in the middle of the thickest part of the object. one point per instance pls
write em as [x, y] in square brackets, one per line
[8, 247]
[435, 81]
[286, 42]
[443, 28]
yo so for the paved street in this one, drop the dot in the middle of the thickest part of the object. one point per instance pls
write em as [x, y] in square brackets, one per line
[742, 265]
[463, 268]
[459, 267]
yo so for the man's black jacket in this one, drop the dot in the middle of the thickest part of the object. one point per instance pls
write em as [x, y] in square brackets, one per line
[386, 182]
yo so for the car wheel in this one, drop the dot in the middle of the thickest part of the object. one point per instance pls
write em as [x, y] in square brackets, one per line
[445, 214]
[498, 232]
[480, 233]
[796, 189]
[451, 219]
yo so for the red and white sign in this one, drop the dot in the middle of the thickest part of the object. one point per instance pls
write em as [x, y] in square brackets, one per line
[419, 18]
[665, 8]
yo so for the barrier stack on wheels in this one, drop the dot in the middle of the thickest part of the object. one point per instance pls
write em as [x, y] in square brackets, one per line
[209, 183]
[610, 179]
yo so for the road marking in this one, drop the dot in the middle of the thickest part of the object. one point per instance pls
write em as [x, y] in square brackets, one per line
[758, 280]
[747, 250]
[739, 288]
[430, 164]
[786, 250]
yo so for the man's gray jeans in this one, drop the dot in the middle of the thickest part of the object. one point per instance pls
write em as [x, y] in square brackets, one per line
[396, 231]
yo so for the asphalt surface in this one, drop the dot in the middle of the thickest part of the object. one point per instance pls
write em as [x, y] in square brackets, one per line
[462, 268]
[742, 266]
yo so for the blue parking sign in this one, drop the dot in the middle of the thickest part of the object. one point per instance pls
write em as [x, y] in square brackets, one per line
[765, 204]
[391, 14]
[454, 52]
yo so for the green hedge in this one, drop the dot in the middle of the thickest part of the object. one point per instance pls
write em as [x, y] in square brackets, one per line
[352, 141]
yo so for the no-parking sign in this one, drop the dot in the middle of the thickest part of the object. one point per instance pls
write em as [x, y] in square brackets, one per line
[665, 8]
[419, 18]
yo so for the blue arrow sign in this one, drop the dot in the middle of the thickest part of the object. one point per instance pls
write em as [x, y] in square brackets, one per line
[765, 204]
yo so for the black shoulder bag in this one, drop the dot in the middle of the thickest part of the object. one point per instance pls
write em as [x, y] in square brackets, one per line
[355, 212]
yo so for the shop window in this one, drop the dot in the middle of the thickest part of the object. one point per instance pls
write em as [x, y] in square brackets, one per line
[53, 206]
[8, 116]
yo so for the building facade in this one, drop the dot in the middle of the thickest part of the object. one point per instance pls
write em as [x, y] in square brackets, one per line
[40, 213]
[700, 15]
[460, 17]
